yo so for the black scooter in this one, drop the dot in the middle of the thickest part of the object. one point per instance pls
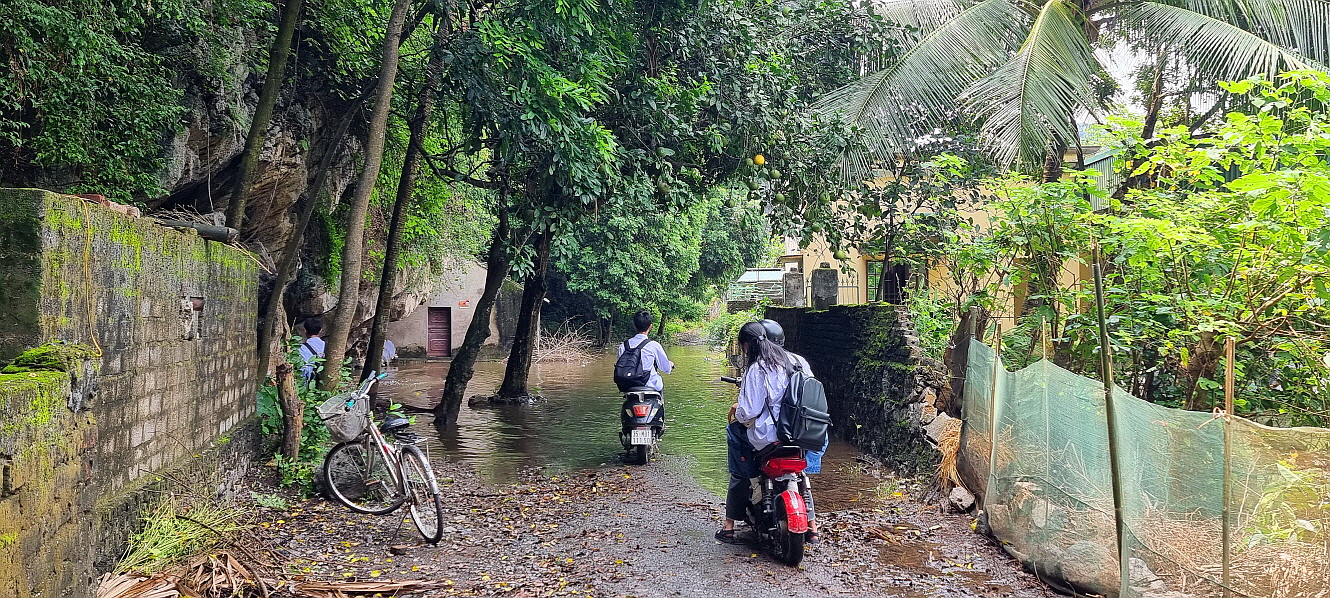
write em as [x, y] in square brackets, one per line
[642, 421]
[778, 510]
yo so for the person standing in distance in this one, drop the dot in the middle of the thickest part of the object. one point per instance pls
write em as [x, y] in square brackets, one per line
[311, 348]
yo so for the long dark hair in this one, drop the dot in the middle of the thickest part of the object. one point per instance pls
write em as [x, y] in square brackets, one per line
[759, 349]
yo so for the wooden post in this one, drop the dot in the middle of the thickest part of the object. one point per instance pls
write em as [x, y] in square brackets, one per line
[293, 410]
[1229, 347]
[1114, 455]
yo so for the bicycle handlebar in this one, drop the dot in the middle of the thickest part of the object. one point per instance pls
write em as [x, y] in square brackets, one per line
[734, 381]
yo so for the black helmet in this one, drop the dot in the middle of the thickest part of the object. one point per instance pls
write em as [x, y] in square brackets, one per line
[775, 333]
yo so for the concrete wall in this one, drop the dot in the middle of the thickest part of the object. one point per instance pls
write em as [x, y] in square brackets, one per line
[411, 333]
[173, 318]
[880, 388]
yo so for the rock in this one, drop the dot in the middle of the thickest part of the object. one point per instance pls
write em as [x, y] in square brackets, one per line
[1091, 567]
[1141, 575]
[319, 304]
[961, 499]
[930, 397]
[934, 428]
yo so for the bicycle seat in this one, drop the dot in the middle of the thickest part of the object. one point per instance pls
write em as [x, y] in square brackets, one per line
[394, 423]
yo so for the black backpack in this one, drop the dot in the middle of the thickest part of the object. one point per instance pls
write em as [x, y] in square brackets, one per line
[628, 370]
[804, 418]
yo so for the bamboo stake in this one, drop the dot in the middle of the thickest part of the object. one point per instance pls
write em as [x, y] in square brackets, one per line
[992, 411]
[1115, 469]
[1229, 348]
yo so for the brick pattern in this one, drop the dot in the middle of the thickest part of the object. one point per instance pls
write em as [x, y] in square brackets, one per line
[878, 382]
[173, 379]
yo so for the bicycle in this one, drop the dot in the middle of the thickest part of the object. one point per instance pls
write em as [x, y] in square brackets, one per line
[368, 474]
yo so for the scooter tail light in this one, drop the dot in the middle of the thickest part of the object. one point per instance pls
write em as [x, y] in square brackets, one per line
[775, 468]
[641, 410]
[796, 511]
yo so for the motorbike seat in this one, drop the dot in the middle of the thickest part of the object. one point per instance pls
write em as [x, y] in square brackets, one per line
[776, 450]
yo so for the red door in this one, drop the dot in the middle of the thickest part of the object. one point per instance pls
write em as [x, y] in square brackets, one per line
[440, 332]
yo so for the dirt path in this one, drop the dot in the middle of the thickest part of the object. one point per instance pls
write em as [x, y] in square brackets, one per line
[623, 531]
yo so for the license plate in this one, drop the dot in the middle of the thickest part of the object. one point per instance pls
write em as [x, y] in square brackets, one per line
[639, 437]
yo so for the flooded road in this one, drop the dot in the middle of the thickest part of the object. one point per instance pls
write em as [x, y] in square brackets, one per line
[577, 425]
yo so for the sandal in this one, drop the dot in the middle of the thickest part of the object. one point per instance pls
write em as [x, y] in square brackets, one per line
[726, 536]
[812, 538]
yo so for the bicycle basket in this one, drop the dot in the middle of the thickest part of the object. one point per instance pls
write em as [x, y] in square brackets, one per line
[345, 421]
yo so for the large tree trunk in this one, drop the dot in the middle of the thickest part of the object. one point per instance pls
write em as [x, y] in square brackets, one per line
[286, 269]
[258, 128]
[406, 186]
[353, 251]
[524, 339]
[293, 411]
[463, 364]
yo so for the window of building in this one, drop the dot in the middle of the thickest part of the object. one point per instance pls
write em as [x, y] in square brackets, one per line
[874, 277]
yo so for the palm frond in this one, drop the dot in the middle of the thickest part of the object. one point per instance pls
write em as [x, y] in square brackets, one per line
[1030, 100]
[895, 105]
[1213, 46]
[1302, 26]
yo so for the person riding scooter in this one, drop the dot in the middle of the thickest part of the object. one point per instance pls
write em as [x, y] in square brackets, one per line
[752, 418]
[637, 374]
[776, 334]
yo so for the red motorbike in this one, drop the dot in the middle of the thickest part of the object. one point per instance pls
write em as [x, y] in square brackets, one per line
[778, 510]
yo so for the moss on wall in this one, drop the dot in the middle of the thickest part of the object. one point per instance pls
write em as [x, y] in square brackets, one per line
[50, 357]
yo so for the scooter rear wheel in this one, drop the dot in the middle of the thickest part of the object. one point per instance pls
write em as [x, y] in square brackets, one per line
[789, 546]
[641, 453]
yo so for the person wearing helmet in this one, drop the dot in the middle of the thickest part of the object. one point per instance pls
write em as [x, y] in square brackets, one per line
[814, 458]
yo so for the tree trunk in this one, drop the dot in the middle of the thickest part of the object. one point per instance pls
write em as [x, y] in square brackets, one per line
[293, 411]
[258, 127]
[524, 339]
[1203, 361]
[286, 269]
[1156, 101]
[463, 364]
[406, 186]
[1053, 161]
[348, 293]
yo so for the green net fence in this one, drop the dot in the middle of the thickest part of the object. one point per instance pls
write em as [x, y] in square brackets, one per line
[1048, 493]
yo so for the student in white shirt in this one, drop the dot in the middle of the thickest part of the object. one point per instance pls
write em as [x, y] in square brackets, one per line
[752, 418]
[653, 355]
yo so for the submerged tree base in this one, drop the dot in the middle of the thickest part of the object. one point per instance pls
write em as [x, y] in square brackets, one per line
[483, 401]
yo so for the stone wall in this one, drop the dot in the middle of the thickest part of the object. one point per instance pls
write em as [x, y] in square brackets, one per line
[880, 387]
[172, 316]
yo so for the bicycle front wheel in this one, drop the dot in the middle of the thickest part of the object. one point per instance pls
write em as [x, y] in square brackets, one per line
[425, 505]
[359, 476]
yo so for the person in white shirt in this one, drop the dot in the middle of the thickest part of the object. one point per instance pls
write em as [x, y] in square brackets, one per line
[311, 348]
[752, 418]
[653, 355]
[776, 334]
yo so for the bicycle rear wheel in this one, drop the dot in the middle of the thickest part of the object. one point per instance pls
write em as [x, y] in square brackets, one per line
[425, 505]
[360, 477]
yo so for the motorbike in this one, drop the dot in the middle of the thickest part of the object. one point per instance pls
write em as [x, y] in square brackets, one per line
[778, 509]
[642, 422]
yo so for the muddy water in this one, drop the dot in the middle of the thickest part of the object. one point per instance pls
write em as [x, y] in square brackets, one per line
[577, 424]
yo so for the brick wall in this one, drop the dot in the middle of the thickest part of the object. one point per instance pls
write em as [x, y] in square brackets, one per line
[880, 387]
[173, 316]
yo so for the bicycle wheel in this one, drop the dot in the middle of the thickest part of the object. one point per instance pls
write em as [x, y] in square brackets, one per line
[359, 476]
[425, 505]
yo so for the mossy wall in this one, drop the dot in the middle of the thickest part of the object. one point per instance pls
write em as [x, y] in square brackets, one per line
[172, 318]
[880, 387]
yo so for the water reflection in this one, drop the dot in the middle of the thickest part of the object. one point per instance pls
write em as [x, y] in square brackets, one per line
[578, 423]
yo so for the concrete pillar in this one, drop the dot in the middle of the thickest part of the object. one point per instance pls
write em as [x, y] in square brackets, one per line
[794, 289]
[826, 286]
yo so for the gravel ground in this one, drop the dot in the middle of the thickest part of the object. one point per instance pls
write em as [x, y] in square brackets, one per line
[635, 531]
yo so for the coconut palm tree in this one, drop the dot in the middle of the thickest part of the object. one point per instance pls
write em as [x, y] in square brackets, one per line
[1023, 69]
